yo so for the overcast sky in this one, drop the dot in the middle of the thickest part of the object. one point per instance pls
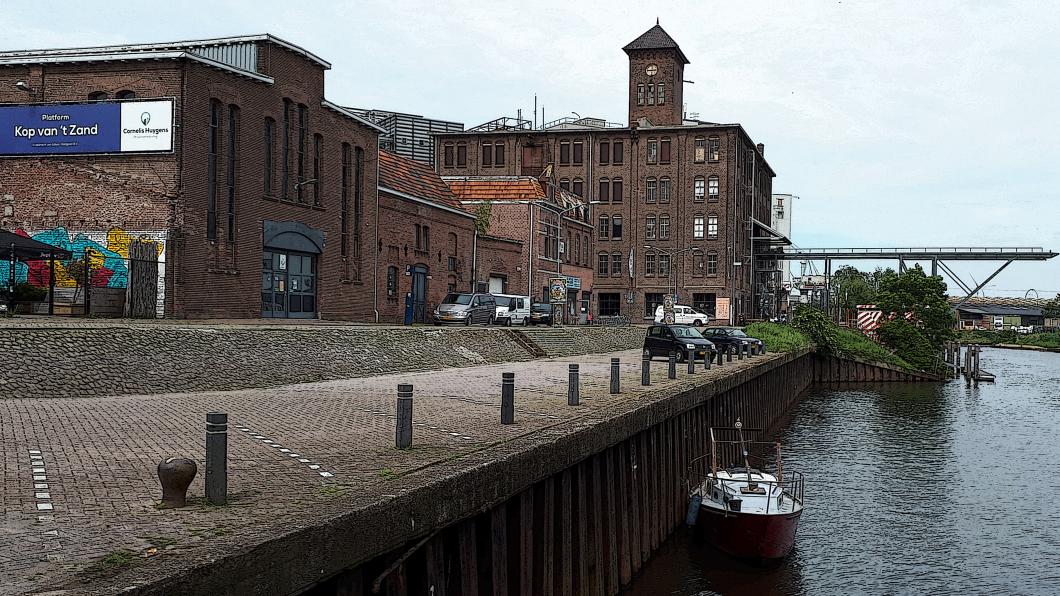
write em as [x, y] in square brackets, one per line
[897, 123]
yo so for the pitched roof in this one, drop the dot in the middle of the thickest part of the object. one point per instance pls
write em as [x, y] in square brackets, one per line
[496, 188]
[655, 39]
[999, 301]
[415, 179]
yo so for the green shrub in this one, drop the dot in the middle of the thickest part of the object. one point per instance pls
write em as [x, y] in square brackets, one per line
[856, 345]
[778, 338]
[815, 325]
[910, 344]
[25, 292]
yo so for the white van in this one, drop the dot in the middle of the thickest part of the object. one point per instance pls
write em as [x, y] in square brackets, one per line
[684, 315]
[512, 310]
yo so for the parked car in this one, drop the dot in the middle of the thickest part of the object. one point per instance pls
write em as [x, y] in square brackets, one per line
[466, 309]
[684, 315]
[660, 340]
[726, 338]
[541, 313]
[512, 310]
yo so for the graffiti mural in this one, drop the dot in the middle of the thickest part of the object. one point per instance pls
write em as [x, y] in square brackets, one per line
[108, 252]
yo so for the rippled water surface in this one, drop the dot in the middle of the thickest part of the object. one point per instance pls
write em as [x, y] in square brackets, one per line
[910, 488]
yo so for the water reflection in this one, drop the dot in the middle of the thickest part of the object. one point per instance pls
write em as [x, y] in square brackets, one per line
[911, 488]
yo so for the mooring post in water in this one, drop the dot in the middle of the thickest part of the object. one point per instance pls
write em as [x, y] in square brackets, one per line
[217, 458]
[671, 372]
[645, 369]
[403, 434]
[572, 385]
[691, 361]
[615, 383]
[507, 398]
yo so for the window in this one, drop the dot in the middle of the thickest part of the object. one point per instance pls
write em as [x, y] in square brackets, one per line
[664, 151]
[617, 152]
[125, 94]
[712, 227]
[653, 151]
[697, 264]
[318, 163]
[564, 183]
[344, 203]
[616, 190]
[605, 152]
[564, 153]
[640, 94]
[699, 189]
[652, 301]
[97, 96]
[577, 153]
[213, 143]
[487, 154]
[664, 265]
[577, 249]
[649, 227]
[461, 155]
[616, 227]
[578, 187]
[712, 264]
[649, 190]
[605, 227]
[358, 207]
[286, 153]
[566, 249]
[603, 264]
[649, 264]
[661, 90]
[604, 196]
[391, 280]
[448, 155]
[616, 264]
[303, 117]
[664, 227]
[699, 155]
[498, 154]
[664, 189]
[713, 149]
[423, 237]
[609, 304]
[233, 128]
[651, 94]
[270, 134]
[712, 189]
[697, 227]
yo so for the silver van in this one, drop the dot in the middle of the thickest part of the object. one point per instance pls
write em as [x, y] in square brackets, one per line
[512, 310]
[466, 309]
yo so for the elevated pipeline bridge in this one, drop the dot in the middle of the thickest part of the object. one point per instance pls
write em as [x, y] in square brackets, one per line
[937, 256]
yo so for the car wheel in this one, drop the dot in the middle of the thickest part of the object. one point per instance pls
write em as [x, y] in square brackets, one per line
[680, 355]
[526, 322]
[467, 321]
[508, 322]
[697, 323]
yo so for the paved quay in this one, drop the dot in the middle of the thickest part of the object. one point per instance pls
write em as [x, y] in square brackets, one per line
[80, 490]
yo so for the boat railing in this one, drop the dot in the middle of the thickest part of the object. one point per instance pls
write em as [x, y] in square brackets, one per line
[790, 486]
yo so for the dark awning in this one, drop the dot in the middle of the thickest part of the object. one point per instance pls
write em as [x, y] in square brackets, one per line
[27, 249]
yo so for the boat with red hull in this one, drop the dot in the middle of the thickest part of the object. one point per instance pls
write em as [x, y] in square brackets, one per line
[743, 510]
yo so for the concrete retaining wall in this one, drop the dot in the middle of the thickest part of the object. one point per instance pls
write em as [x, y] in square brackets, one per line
[137, 359]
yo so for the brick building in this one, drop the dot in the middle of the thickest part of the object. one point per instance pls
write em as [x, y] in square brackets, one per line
[551, 227]
[426, 240]
[680, 201]
[263, 203]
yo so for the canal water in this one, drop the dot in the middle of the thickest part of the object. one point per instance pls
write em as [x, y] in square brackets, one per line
[910, 489]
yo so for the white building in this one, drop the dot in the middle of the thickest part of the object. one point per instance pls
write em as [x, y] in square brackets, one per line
[781, 222]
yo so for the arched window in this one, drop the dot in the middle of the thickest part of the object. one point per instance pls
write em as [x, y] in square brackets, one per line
[699, 189]
[578, 187]
[712, 227]
[664, 227]
[578, 249]
[649, 264]
[616, 264]
[664, 189]
[604, 196]
[649, 190]
[649, 227]
[97, 96]
[125, 94]
[603, 264]
[564, 183]
[391, 280]
[605, 227]
[699, 154]
[697, 227]
[712, 189]
[616, 227]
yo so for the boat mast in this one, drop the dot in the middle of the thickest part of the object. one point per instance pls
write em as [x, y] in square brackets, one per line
[743, 449]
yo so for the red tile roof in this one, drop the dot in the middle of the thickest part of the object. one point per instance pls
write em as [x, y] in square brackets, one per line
[507, 188]
[414, 178]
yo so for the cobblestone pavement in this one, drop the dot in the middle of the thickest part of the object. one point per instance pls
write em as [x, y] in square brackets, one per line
[79, 488]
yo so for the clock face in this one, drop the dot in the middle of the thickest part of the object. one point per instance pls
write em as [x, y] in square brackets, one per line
[651, 70]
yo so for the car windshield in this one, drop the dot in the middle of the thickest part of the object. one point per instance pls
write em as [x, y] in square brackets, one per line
[686, 332]
[541, 307]
[457, 299]
[737, 333]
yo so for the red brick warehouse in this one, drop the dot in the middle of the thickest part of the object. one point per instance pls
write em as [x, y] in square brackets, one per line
[264, 204]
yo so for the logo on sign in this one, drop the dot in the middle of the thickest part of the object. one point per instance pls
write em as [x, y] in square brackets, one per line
[145, 118]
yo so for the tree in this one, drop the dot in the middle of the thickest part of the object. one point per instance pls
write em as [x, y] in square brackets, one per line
[483, 213]
[922, 295]
[851, 287]
[1051, 310]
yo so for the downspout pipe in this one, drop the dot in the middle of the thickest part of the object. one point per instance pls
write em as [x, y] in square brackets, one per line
[375, 243]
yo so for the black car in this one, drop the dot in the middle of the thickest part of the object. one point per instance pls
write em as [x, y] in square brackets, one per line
[541, 313]
[730, 338]
[662, 339]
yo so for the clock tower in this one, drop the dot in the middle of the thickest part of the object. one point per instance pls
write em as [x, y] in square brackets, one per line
[656, 75]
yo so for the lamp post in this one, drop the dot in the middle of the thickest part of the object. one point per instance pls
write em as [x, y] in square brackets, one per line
[671, 286]
[559, 234]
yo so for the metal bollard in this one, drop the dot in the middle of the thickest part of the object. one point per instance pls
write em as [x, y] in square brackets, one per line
[707, 358]
[754, 350]
[721, 355]
[728, 354]
[507, 398]
[217, 458]
[615, 387]
[740, 350]
[671, 372]
[572, 385]
[763, 348]
[691, 361]
[403, 434]
[645, 369]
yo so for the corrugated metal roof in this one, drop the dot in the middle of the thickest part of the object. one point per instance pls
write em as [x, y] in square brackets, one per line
[1002, 310]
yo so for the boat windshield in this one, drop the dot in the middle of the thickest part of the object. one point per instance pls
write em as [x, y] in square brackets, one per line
[687, 332]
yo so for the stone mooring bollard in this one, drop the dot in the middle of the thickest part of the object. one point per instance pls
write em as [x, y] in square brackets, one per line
[615, 381]
[217, 458]
[671, 372]
[175, 474]
[645, 369]
[403, 433]
[507, 398]
[573, 397]
[707, 358]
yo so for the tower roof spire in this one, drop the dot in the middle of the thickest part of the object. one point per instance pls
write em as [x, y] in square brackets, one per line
[655, 39]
